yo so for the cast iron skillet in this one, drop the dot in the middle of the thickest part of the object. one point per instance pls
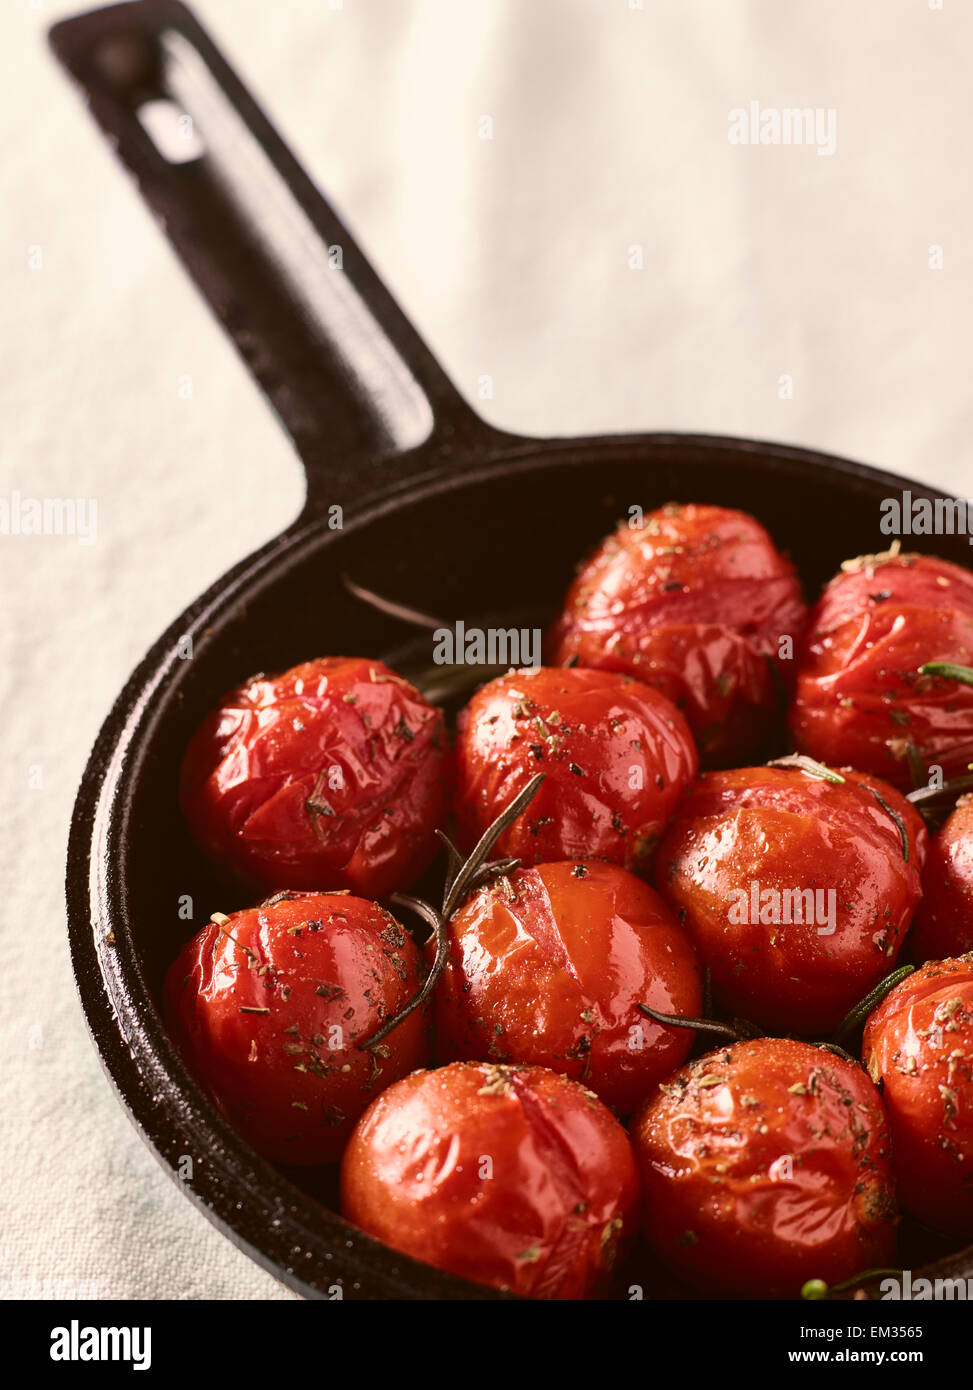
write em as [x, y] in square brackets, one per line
[440, 510]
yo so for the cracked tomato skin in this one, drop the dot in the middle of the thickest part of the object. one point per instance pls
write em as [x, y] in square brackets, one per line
[918, 1045]
[860, 698]
[268, 1007]
[615, 753]
[786, 831]
[765, 1164]
[944, 919]
[514, 1177]
[694, 602]
[331, 775]
[546, 967]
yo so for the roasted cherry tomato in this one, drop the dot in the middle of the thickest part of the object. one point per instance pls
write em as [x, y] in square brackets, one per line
[796, 891]
[332, 775]
[696, 601]
[766, 1164]
[510, 1176]
[918, 1046]
[269, 1006]
[615, 753]
[546, 966]
[944, 919]
[860, 696]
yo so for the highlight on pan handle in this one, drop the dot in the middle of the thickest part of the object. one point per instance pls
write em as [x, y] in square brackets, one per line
[346, 372]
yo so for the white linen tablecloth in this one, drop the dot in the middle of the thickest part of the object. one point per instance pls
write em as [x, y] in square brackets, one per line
[515, 257]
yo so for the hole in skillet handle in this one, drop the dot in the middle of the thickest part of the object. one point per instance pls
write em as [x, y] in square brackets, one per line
[172, 132]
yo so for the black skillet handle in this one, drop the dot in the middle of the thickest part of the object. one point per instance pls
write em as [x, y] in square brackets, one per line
[348, 375]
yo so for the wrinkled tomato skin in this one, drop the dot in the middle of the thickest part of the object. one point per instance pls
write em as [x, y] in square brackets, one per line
[787, 831]
[695, 602]
[593, 734]
[515, 1177]
[269, 1007]
[944, 919]
[334, 774]
[546, 967]
[725, 1208]
[918, 1045]
[860, 699]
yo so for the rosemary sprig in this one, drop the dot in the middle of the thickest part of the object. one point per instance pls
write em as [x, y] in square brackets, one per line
[839, 1052]
[698, 1025]
[401, 611]
[476, 869]
[462, 878]
[438, 925]
[948, 670]
[855, 1018]
[439, 683]
[900, 823]
[808, 765]
[453, 864]
[742, 1030]
[826, 774]
[923, 796]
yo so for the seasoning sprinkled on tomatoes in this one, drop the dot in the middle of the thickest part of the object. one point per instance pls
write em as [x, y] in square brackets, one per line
[333, 774]
[796, 888]
[615, 753]
[918, 1046]
[863, 697]
[514, 1177]
[765, 1163]
[697, 602]
[270, 1007]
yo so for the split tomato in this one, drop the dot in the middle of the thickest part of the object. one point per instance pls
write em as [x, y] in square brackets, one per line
[547, 966]
[270, 1007]
[797, 890]
[862, 698]
[510, 1176]
[332, 775]
[764, 1164]
[918, 1046]
[697, 602]
[615, 753]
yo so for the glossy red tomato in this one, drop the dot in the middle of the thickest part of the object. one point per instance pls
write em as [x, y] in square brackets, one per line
[695, 601]
[944, 918]
[510, 1176]
[797, 892]
[918, 1045]
[332, 775]
[860, 698]
[766, 1164]
[547, 967]
[269, 1006]
[616, 755]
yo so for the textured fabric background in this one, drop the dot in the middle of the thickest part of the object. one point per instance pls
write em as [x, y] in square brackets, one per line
[513, 255]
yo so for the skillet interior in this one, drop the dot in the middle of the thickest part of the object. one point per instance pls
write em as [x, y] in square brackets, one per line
[492, 544]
